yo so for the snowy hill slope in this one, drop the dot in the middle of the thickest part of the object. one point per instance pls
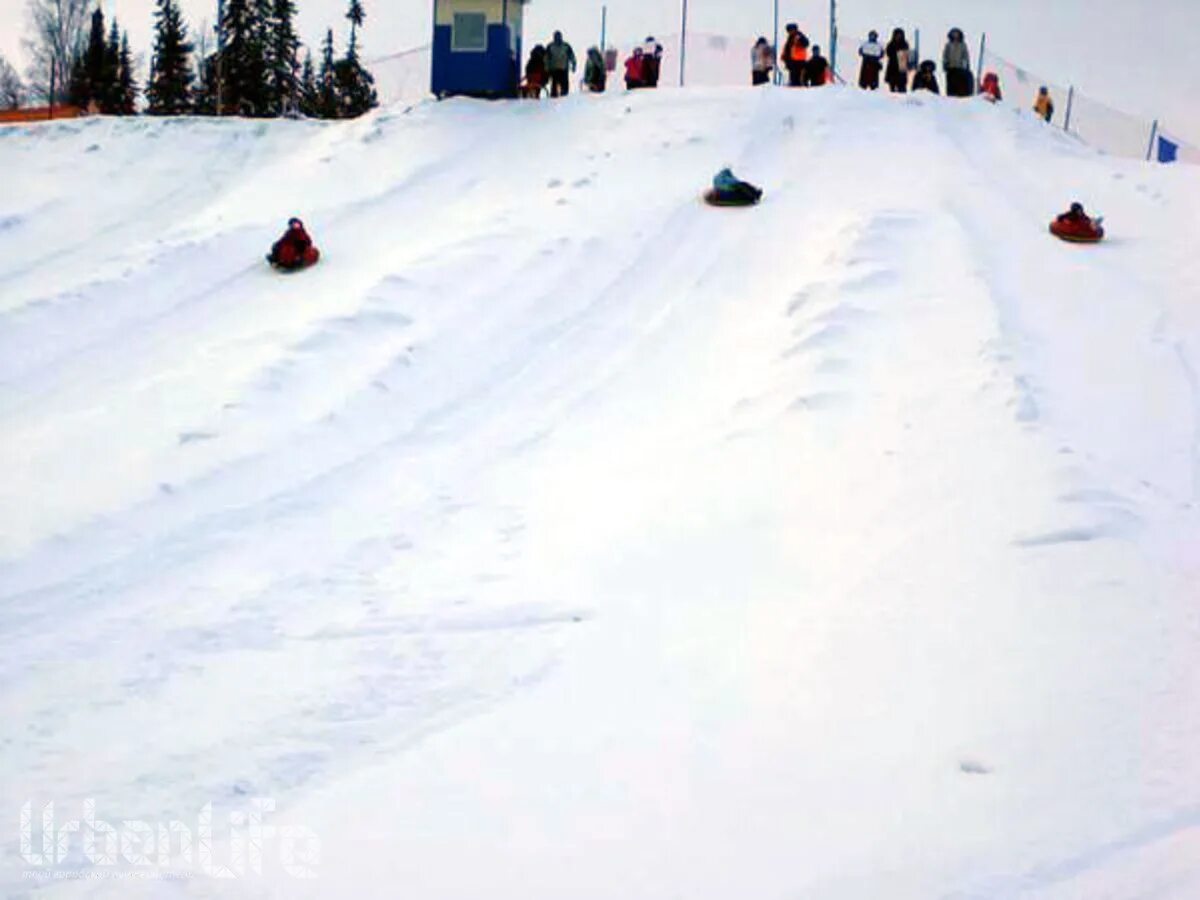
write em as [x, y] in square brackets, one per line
[560, 536]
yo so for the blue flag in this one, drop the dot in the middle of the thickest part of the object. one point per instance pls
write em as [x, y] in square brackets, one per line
[1168, 151]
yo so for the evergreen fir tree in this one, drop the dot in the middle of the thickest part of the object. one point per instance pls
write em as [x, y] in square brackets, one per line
[78, 89]
[244, 59]
[169, 91]
[308, 88]
[284, 45]
[126, 83]
[93, 61]
[110, 75]
[327, 87]
[355, 85]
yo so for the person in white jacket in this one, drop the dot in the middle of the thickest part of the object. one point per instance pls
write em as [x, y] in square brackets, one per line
[871, 53]
[762, 62]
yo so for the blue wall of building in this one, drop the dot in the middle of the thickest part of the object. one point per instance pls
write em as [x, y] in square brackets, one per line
[492, 73]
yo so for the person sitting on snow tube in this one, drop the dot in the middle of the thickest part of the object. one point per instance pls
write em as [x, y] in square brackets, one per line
[728, 190]
[295, 250]
[1077, 226]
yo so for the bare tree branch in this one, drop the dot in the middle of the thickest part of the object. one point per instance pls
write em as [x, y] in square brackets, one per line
[55, 35]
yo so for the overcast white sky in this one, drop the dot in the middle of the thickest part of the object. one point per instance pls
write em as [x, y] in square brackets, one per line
[1135, 54]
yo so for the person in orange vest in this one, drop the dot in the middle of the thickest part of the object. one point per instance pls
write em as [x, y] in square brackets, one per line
[1043, 105]
[795, 54]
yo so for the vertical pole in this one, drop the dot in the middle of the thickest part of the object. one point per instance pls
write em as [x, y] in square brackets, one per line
[604, 28]
[917, 45]
[53, 72]
[833, 36]
[1153, 137]
[775, 47]
[220, 57]
[1070, 103]
[683, 45]
[982, 51]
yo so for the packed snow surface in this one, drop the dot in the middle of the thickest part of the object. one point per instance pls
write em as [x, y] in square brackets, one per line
[560, 536]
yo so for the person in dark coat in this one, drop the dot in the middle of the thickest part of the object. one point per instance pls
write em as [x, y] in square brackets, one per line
[871, 52]
[595, 75]
[926, 77]
[956, 63]
[898, 57]
[652, 54]
[535, 72]
[816, 70]
[295, 250]
[560, 63]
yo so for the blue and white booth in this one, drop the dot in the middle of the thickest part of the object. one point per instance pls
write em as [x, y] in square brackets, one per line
[477, 47]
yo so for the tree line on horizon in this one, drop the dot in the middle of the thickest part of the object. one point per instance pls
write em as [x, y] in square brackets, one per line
[255, 70]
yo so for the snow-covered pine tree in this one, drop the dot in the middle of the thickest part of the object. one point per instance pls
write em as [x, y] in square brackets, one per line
[88, 69]
[355, 85]
[169, 91]
[327, 87]
[126, 82]
[308, 87]
[110, 79]
[244, 60]
[284, 67]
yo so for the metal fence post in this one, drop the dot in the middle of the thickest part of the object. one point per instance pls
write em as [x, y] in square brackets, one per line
[1070, 104]
[1153, 137]
[603, 28]
[982, 51]
[683, 44]
[833, 33]
[778, 75]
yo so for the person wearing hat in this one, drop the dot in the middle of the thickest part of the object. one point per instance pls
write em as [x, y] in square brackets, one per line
[956, 63]
[795, 54]
[295, 250]
[560, 62]
[1043, 105]
[762, 62]
[652, 54]
[871, 52]
[817, 72]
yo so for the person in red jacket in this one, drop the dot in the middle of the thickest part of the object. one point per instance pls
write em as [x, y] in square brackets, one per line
[1077, 226]
[635, 69]
[295, 250]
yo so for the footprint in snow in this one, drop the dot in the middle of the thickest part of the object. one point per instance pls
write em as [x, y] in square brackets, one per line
[973, 767]
[196, 437]
[554, 183]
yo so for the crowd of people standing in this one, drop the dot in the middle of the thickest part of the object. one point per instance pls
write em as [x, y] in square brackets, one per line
[895, 64]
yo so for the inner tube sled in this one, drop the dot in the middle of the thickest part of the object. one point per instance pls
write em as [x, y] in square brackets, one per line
[1089, 232]
[713, 197]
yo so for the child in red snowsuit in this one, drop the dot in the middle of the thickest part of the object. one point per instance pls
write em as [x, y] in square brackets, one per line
[295, 250]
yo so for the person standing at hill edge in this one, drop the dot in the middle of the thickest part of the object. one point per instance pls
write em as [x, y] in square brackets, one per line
[652, 54]
[898, 56]
[956, 63]
[926, 77]
[595, 75]
[762, 61]
[1043, 105]
[560, 62]
[635, 69]
[871, 53]
[816, 71]
[795, 54]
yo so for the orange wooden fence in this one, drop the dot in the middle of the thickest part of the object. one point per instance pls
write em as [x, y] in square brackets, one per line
[39, 114]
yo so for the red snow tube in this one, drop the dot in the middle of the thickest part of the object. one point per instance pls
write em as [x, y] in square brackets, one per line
[1078, 232]
[288, 260]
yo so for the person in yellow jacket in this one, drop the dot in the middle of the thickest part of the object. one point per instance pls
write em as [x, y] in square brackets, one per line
[1043, 105]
